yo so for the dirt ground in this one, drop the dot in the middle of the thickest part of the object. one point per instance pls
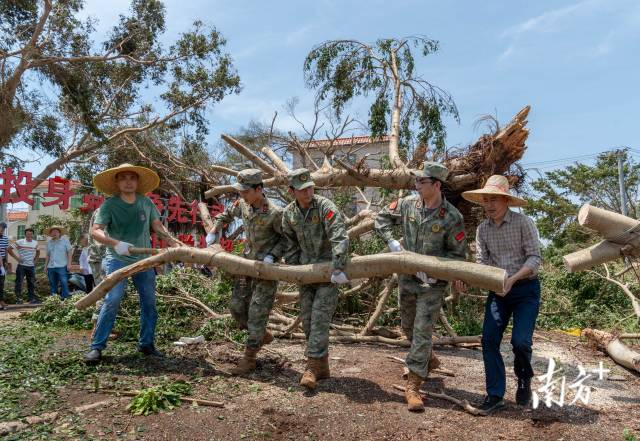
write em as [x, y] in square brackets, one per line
[357, 403]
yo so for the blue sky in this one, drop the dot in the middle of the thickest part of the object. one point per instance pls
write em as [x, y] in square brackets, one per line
[577, 63]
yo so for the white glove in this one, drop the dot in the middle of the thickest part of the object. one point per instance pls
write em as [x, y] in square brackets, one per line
[211, 238]
[425, 278]
[394, 245]
[339, 278]
[3, 272]
[268, 259]
[122, 248]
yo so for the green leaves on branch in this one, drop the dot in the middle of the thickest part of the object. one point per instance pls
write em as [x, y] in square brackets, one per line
[341, 70]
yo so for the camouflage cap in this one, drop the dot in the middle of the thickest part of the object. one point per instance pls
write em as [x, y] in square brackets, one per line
[433, 170]
[300, 179]
[247, 179]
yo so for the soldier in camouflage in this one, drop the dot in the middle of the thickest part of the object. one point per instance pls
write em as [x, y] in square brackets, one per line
[315, 232]
[252, 299]
[434, 227]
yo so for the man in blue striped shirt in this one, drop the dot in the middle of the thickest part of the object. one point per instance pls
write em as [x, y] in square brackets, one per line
[4, 244]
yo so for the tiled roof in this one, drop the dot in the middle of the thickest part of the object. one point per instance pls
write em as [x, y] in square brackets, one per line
[353, 140]
[44, 185]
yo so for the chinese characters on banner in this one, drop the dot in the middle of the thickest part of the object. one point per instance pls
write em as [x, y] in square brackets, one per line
[17, 186]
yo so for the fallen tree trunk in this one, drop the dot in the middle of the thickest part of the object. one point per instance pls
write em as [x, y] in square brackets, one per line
[404, 262]
[612, 226]
[595, 255]
[621, 235]
[618, 351]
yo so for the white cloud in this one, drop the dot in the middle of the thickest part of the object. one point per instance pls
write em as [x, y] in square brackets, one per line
[548, 20]
[566, 21]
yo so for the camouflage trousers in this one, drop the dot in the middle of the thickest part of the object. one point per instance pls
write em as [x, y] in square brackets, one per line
[251, 303]
[419, 309]
[318, 302]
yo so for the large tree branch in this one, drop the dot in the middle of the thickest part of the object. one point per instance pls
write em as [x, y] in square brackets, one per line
[377, 265]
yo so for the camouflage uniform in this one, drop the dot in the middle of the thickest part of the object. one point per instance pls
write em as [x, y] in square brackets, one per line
[316, 234]
[433, 232]
[252, 299]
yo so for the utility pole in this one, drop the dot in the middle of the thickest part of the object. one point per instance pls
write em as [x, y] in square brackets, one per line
[623, 193]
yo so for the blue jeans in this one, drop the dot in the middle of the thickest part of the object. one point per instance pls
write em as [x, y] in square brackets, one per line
[59, 275]
[145, 283]
[523, 302]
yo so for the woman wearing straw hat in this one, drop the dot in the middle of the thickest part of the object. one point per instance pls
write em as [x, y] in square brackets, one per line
[125, 220]
[507, 240]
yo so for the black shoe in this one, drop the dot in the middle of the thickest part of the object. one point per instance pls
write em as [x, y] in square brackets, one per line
[151, 351]
[35, 302]
[491, 403]
[523, 394]
[94, 356]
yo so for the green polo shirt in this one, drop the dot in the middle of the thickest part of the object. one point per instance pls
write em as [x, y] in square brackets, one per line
[128, 223]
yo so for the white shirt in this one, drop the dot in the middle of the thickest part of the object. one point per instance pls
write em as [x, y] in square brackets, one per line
[84, 261]
[26, 251]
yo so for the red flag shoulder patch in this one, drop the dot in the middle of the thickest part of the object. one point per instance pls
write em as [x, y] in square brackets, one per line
[460, 236]
[329, 215]
[393, 205]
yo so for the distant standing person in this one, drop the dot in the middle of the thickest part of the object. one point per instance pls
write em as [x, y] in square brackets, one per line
[507, 240]
[4, 245]
[85, 266]
[28, 254]
[58, 261]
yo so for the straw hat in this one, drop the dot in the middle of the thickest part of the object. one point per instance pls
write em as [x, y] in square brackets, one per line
[148, 180]
[55, 227]
[496, 185]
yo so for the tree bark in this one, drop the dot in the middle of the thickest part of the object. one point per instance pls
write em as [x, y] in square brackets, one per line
[378, 265]
[618, 351]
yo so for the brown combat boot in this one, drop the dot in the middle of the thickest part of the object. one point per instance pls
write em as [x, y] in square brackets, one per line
[247, 363]
[311, 374]
[323, 368]
[412, 393]
[268, 338]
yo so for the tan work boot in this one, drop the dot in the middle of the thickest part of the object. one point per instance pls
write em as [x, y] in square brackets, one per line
[434, 362]
[247, 363]
[323, 368]
[412, 393]
[268, 338]
[311, 374]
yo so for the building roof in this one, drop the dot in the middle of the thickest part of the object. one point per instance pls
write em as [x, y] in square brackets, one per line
[44, 185]
[352, 140]
[16, 216]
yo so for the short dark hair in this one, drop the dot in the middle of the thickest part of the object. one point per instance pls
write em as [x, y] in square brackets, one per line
[255, 186]
[29, 229]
